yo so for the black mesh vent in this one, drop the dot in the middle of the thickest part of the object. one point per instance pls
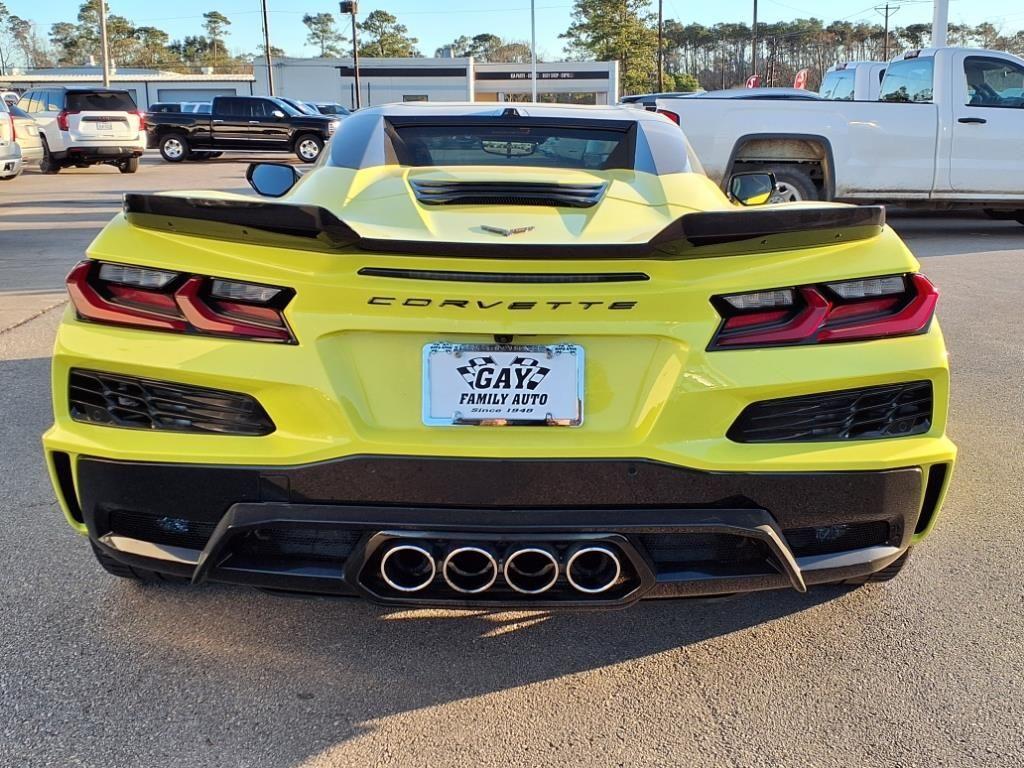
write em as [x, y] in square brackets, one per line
[894, 410]
[126, 401]
[507, 193]
[690, 549]
[296, 544]
[838, 538]
[170, 531]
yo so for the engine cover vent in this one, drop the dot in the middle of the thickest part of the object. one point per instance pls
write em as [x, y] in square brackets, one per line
[507, 193]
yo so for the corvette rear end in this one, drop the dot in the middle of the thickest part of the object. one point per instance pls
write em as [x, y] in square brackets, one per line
[499, 357]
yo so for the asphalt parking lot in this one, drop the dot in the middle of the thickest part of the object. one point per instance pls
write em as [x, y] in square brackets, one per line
[925, 671]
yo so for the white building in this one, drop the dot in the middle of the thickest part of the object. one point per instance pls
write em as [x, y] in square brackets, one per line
[147, 86]
[384, 81]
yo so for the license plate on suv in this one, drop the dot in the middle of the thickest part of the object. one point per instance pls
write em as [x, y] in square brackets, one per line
[502, 384]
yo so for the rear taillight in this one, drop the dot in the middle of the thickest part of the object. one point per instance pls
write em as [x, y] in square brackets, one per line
[14, 128]
[62, 119]
[852, 310]
[171, 301]
[142, 118]
[669, 114]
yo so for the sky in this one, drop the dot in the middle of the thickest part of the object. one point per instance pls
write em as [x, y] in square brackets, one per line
[437, 22]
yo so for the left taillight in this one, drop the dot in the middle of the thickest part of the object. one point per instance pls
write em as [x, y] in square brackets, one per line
[156, 299]
[850, 310]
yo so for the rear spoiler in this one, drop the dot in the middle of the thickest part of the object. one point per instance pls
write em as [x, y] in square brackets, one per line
[693, 235]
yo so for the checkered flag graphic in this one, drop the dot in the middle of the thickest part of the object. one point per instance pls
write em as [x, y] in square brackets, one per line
[537, 376]
[468, 372]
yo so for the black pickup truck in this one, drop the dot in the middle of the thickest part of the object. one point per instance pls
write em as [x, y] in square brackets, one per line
[240, 123]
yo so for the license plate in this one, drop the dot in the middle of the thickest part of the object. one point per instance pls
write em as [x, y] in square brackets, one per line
[502, 385]
[104, 126]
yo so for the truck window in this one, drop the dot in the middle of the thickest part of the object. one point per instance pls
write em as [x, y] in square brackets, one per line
[993, 82]
[838, 85]
[908, 81]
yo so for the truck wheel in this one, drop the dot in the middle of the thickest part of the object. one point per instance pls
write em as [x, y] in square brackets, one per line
[48, 164]
[308, 147]
[130, 165]
[792, 185]
[119, 569]
[174, 147]
[886, 574]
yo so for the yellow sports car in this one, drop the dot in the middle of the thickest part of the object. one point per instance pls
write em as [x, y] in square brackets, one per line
[500, 356]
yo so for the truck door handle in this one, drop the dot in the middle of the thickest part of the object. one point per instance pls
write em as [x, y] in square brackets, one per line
[254, 122]
[218, 121]
[973, 120]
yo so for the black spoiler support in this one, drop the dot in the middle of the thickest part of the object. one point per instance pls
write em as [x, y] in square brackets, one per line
[693, 235]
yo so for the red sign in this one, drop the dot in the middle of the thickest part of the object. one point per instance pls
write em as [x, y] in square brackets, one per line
[800, 81]
[754, 81]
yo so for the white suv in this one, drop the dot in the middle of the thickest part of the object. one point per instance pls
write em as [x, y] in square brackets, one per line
[85, 126]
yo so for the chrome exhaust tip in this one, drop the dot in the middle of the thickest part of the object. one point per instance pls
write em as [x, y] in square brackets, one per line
[470, 569]
[593, 569]
[408, 567]
[531, 570]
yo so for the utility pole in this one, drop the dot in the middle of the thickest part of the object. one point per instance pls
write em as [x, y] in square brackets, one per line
[753, 43]
[266, 50]
[887, 11]
[352, 7]
[533, 47]
[104, 45]
[661, 47]
[940, 23]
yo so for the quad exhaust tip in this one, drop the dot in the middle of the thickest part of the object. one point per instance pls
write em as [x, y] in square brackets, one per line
[593, 569]
[531, 570]
[408, 567]
[470, 569]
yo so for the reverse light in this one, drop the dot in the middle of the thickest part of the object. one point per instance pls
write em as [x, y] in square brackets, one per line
[171, 301]
[142, 118]
[852, 310]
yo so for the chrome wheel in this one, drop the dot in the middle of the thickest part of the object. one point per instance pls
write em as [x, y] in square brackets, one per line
[309, 149]
[173, 149]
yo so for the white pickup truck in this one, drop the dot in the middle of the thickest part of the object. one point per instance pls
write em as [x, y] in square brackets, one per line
[853, 81]
[946, 131]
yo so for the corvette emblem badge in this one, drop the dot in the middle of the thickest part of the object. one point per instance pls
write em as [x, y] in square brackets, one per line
[505, 232]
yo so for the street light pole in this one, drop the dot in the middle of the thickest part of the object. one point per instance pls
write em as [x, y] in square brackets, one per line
[940, 23]
[533, 48]
[104, 45]
[352, 7]
[266, 50]
[753, 43]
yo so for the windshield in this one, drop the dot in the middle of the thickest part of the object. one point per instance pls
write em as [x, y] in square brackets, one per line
[301, 107]
[838, 85]
[99, 101]
[547, 146]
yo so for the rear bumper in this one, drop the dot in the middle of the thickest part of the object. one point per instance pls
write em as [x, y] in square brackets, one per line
[321, 528]
[11, 160]
[101, 152]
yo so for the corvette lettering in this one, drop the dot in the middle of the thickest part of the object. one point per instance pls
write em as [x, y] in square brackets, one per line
[415, 301]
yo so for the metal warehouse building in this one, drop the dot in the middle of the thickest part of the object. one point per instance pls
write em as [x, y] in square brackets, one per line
[384, 81]
[147, 86]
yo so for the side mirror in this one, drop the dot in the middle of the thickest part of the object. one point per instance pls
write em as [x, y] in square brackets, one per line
[277, 113]
[751, 188]
[271, 179]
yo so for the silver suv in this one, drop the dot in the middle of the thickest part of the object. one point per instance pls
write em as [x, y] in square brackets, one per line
[86, 126]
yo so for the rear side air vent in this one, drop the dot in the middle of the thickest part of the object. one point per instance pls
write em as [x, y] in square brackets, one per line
[507, 193]
[894, 410]
[126, 401]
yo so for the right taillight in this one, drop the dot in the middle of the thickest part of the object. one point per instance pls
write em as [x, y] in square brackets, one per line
[850, 310]
[158, 299]
[674, 117]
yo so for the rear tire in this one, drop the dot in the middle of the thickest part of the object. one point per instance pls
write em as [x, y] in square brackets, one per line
[48, 164]
[308, 147]
[174, 147]
[888, 573]
[119, 569]
[131, 165]
[792, 185]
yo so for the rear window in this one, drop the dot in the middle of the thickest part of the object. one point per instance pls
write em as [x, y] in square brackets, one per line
[546, 146]
[99, 101]
[838, 85]
[908, 81]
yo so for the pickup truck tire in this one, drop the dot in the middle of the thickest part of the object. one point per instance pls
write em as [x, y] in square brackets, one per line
[131, 165]
[174, 147]
[792, 185]
[48, 164]
[308, 147]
